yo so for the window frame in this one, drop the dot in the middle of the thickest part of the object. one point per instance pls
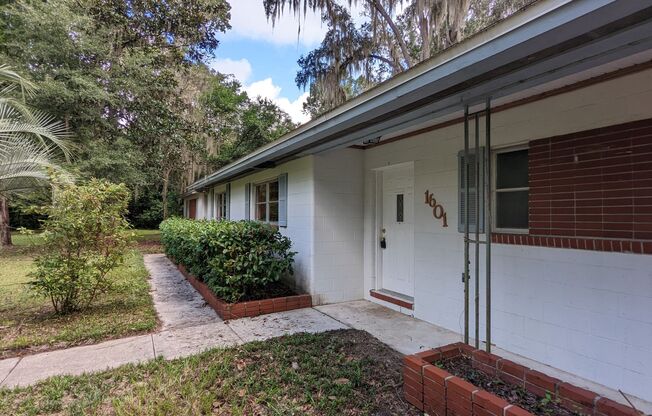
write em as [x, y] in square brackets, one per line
[495, 191]
[220, 205]
[267, 201]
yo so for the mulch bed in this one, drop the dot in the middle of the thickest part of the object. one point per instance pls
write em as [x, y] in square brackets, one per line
[461, 366]
[381, 389]
[273, 290]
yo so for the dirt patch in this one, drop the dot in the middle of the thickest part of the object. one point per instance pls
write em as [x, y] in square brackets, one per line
[384, 377]
[461, 366]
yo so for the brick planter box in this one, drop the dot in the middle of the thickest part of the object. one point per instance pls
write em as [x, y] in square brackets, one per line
[439, 393]
[252, 308]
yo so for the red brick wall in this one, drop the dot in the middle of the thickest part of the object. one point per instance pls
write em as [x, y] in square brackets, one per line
[592, 190]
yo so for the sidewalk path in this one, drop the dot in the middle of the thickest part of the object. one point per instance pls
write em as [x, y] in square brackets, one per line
[188, 327]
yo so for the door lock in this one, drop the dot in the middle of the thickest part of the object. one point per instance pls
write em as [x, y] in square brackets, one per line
[383, 241]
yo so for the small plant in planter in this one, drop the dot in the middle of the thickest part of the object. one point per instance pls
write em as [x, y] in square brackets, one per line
[86, 236]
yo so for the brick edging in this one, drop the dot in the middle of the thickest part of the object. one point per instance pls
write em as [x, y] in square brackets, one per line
[439, 393]
[228, 311]
[396, 301]
[580, 243]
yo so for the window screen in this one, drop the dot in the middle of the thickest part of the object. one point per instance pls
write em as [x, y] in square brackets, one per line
[512, 189]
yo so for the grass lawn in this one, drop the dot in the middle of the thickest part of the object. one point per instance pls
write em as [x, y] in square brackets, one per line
[344, 372]
[28, 324]
[148, 241]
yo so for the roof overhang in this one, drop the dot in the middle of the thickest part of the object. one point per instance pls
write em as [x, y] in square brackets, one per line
[549, 40]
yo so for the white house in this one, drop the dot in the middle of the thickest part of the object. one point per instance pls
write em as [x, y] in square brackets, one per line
[372, 194]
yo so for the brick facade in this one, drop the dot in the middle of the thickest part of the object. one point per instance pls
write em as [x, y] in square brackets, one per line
[591, 190]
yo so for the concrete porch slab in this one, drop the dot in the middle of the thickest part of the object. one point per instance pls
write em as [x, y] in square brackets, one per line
[283, 323]
[183, 342]
[405, 334]
[80, 360]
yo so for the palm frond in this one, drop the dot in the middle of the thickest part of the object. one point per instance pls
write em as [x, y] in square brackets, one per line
[8, 76]
[26, 161]
[31, 141]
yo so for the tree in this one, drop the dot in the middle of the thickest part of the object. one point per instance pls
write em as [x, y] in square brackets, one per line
[240, 123]
[117, 78]
[396, 35]
[30, 144]
[85, 238]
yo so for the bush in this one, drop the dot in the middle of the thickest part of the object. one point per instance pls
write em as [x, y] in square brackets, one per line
[85, 238]
[236, 259]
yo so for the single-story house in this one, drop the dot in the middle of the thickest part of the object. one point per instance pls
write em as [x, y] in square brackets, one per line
[556, 103]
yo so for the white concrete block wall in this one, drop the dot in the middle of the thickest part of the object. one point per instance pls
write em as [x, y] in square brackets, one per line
[338, 219]
[589, 313]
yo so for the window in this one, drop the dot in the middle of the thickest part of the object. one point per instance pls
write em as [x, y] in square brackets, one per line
[220, 206]
[512, 190]
[266, 200]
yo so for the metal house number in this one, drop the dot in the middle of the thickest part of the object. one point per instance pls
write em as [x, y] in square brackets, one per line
[437, 209]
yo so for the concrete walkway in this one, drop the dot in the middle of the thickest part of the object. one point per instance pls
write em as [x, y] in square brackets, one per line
[188, 327]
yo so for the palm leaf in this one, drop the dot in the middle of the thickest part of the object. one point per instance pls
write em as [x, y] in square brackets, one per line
[31, 141]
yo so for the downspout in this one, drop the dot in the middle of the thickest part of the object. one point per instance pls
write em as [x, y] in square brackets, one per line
[466, 224]
[477, 159]
[488, 221]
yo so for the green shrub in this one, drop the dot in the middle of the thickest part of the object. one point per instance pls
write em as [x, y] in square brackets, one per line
[234, 258]
[85, 238]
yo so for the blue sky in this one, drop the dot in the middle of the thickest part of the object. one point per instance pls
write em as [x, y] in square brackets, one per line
[264, 58]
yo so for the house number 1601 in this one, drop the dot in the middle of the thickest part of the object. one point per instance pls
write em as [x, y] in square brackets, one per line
[437, 209]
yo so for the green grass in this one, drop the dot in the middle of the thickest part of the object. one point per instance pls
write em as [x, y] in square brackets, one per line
[148, 241]
[26, 240]
[29, 324]
[337, 373]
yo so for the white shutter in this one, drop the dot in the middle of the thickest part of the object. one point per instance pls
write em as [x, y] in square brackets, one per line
[247, 201]
[228, 201]
[283, 200]
[472, 191]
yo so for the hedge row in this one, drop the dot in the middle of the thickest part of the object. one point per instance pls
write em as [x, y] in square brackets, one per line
[234, 258]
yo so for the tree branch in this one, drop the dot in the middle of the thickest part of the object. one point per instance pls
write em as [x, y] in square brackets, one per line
[397, 32]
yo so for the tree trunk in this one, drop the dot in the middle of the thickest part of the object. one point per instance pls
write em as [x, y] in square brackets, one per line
[164, 193]
[5, 231]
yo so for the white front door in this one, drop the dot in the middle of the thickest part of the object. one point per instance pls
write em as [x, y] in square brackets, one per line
[397, 229]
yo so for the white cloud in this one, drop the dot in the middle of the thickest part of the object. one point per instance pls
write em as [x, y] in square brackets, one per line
[248, 20]
[267, 89]
[241, 68]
